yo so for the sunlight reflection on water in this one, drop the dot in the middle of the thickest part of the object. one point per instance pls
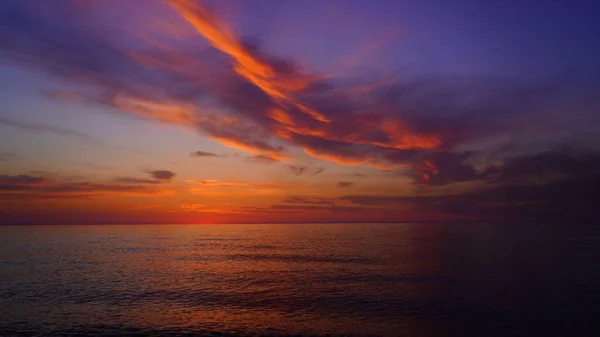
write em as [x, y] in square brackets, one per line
[369, 279]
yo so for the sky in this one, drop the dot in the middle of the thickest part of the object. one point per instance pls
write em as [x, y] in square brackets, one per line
[183, 111]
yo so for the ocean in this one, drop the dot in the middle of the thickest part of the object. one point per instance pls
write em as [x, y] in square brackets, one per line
[300, 280]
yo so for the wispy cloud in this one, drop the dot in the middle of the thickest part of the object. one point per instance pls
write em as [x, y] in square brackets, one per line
[57, 130]
[319, 171]
[8, 156]
[201, 208]
[297, 169]
[22, 181]
[204, 154]
[240, 188]
[241, 183]
[345, 184]
[156, 177]
[314, 208]
[307, 200]
[37, 187]
[262, 159]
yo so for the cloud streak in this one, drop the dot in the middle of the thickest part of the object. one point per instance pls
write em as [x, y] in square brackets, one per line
[36, 127]
[204, 154]
[297, 169]
[8, 156]
[262, 159]
[157, 177]
[38, 187]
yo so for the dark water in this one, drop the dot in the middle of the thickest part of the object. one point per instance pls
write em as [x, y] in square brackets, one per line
[346, 279]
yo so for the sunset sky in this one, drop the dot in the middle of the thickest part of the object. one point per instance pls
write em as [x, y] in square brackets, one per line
[175, 111]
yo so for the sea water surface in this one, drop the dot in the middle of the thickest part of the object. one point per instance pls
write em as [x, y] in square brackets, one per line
[301, 279]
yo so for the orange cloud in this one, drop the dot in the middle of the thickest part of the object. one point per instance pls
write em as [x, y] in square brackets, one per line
[281, 87]
[258, 103]
[278, 85]
[249, 184]
[350, 160]
[205, 209]
[276, 153]
[175, 113]
[233, 188]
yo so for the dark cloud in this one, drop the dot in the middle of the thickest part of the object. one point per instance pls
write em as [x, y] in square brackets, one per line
[297, 169]
[319, 171]
[157, 177]
[262, 159]
[304, 200]
[554, 185]
[373, 200]
[345, 184]
[162, 175]
[563, 163]
[20, 182]
[203, 154]
[37, 187]
[442, 168]
[541, 166]
[35, 127]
